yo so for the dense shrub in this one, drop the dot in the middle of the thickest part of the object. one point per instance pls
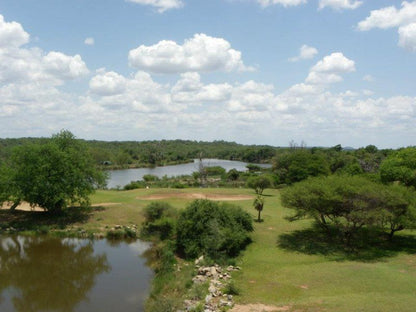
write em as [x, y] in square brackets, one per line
[213, 229]
[160, 220]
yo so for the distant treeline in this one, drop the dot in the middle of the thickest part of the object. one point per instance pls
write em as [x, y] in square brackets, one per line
[156, 153]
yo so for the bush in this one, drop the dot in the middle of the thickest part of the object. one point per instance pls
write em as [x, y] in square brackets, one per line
[213, 229]
[160, 220]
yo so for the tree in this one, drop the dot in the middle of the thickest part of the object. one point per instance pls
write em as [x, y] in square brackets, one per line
[400, 166]
[258, 204]
[300, 164]
[259, 183]
[53, 175]
[350, 203]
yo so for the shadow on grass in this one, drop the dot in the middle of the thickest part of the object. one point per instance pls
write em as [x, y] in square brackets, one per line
[368, 246]
[32, 220]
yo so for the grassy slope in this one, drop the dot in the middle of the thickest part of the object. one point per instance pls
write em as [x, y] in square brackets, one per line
[273, 275]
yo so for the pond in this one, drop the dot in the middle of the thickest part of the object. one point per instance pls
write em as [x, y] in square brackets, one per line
[119, 178]
[51, 274]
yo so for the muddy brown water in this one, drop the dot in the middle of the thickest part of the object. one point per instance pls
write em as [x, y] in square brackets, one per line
[51, 274]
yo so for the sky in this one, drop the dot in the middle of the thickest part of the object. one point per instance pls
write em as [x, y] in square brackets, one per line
[324, 72]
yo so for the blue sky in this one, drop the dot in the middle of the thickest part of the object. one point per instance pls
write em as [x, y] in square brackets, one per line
[252, 71]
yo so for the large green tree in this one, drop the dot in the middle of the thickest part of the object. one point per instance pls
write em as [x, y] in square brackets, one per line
[53, 175]
[351, 203]
[400, 166]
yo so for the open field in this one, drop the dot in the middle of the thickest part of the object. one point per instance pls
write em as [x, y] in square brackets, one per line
[306, 275]
[288, 266]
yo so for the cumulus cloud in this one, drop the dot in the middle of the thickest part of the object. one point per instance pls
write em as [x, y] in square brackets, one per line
[407, 37]
[285, 3]
[89, 41]
[389, 17]
[12, 34]
[340, 4]
[201, 53]
[305, 52]
[404, 19]
[63, 66]
[160, 5]
[109, 83]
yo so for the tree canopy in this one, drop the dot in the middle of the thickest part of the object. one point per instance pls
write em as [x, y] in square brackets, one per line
[400, 166]
[52, 175]
[351, 203]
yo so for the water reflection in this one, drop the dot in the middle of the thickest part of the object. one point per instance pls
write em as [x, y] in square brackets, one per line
[47, 274]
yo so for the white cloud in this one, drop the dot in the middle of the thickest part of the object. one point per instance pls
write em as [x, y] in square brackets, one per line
[89, 41]
[334, 63]
[285, 3]
[160, 5]
[329, 69]
[12, 34]
[389, 17]
[340, 4]
[201, 53]
[30, 65]
[407, 37]
[368, 78]
[109, 83]
[305, 52]
[63, 66]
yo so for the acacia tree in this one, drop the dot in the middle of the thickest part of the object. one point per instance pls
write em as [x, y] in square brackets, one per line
[259, 183]
[351, 203]
[400, 166]
[53, 175]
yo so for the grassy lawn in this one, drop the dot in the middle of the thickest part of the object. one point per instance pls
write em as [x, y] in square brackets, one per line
[294, 274]
[288, 264]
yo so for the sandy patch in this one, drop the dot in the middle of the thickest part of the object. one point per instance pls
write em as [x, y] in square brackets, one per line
[210, 196]
[23, 206]
[105, 204]
[258, 307]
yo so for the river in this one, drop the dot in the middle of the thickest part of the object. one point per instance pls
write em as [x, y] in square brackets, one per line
[119, 178]
[50, 274]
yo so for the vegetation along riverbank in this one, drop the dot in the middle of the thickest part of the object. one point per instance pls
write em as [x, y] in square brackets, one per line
[322, 230]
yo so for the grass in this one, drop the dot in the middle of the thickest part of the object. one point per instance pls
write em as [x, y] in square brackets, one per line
[288, 264]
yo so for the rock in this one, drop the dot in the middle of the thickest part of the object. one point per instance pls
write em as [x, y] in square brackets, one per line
[199, 260]
[117, 227]
[208, 299]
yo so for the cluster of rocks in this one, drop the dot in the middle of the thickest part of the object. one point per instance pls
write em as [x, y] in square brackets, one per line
[217, 279]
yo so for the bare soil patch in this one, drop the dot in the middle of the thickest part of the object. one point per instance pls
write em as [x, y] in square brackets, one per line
[258, 307]
[24, 206]
[210, 196]
[105, 204]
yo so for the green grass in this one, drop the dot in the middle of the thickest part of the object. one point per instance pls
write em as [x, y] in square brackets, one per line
[290, 264]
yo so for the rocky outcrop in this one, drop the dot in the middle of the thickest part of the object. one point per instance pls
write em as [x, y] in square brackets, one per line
[217, 279]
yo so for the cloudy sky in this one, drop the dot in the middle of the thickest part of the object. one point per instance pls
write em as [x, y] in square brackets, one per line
[252, 71]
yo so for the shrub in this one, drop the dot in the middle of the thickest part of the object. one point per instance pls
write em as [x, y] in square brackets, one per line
[160, 220]
[213, 229]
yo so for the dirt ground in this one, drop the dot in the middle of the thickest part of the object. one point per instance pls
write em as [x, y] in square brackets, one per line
[23, 206]
[258, 307]
[211, 196]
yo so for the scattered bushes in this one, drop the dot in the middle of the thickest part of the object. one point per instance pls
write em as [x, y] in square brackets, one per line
[160, 220]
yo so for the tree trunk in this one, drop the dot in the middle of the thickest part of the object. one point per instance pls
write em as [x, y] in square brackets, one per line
[258, 217]
[15, 204]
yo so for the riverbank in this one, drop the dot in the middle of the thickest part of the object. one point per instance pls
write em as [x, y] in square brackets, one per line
[287, 267]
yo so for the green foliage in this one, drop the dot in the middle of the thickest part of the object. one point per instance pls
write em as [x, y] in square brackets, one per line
[53, 175]
[214, 171]
[150, 178]
[258, 204]
[351, 202]
[160, 220]
[400, 166]
[298, 165]
[259, 183]
[213, 229]
[233, 174]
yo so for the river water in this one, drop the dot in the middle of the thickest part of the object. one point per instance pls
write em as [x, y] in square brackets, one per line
[51, 274]
[119, 178]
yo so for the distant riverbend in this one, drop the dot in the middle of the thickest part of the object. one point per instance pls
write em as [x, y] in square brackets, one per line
[119, 178]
